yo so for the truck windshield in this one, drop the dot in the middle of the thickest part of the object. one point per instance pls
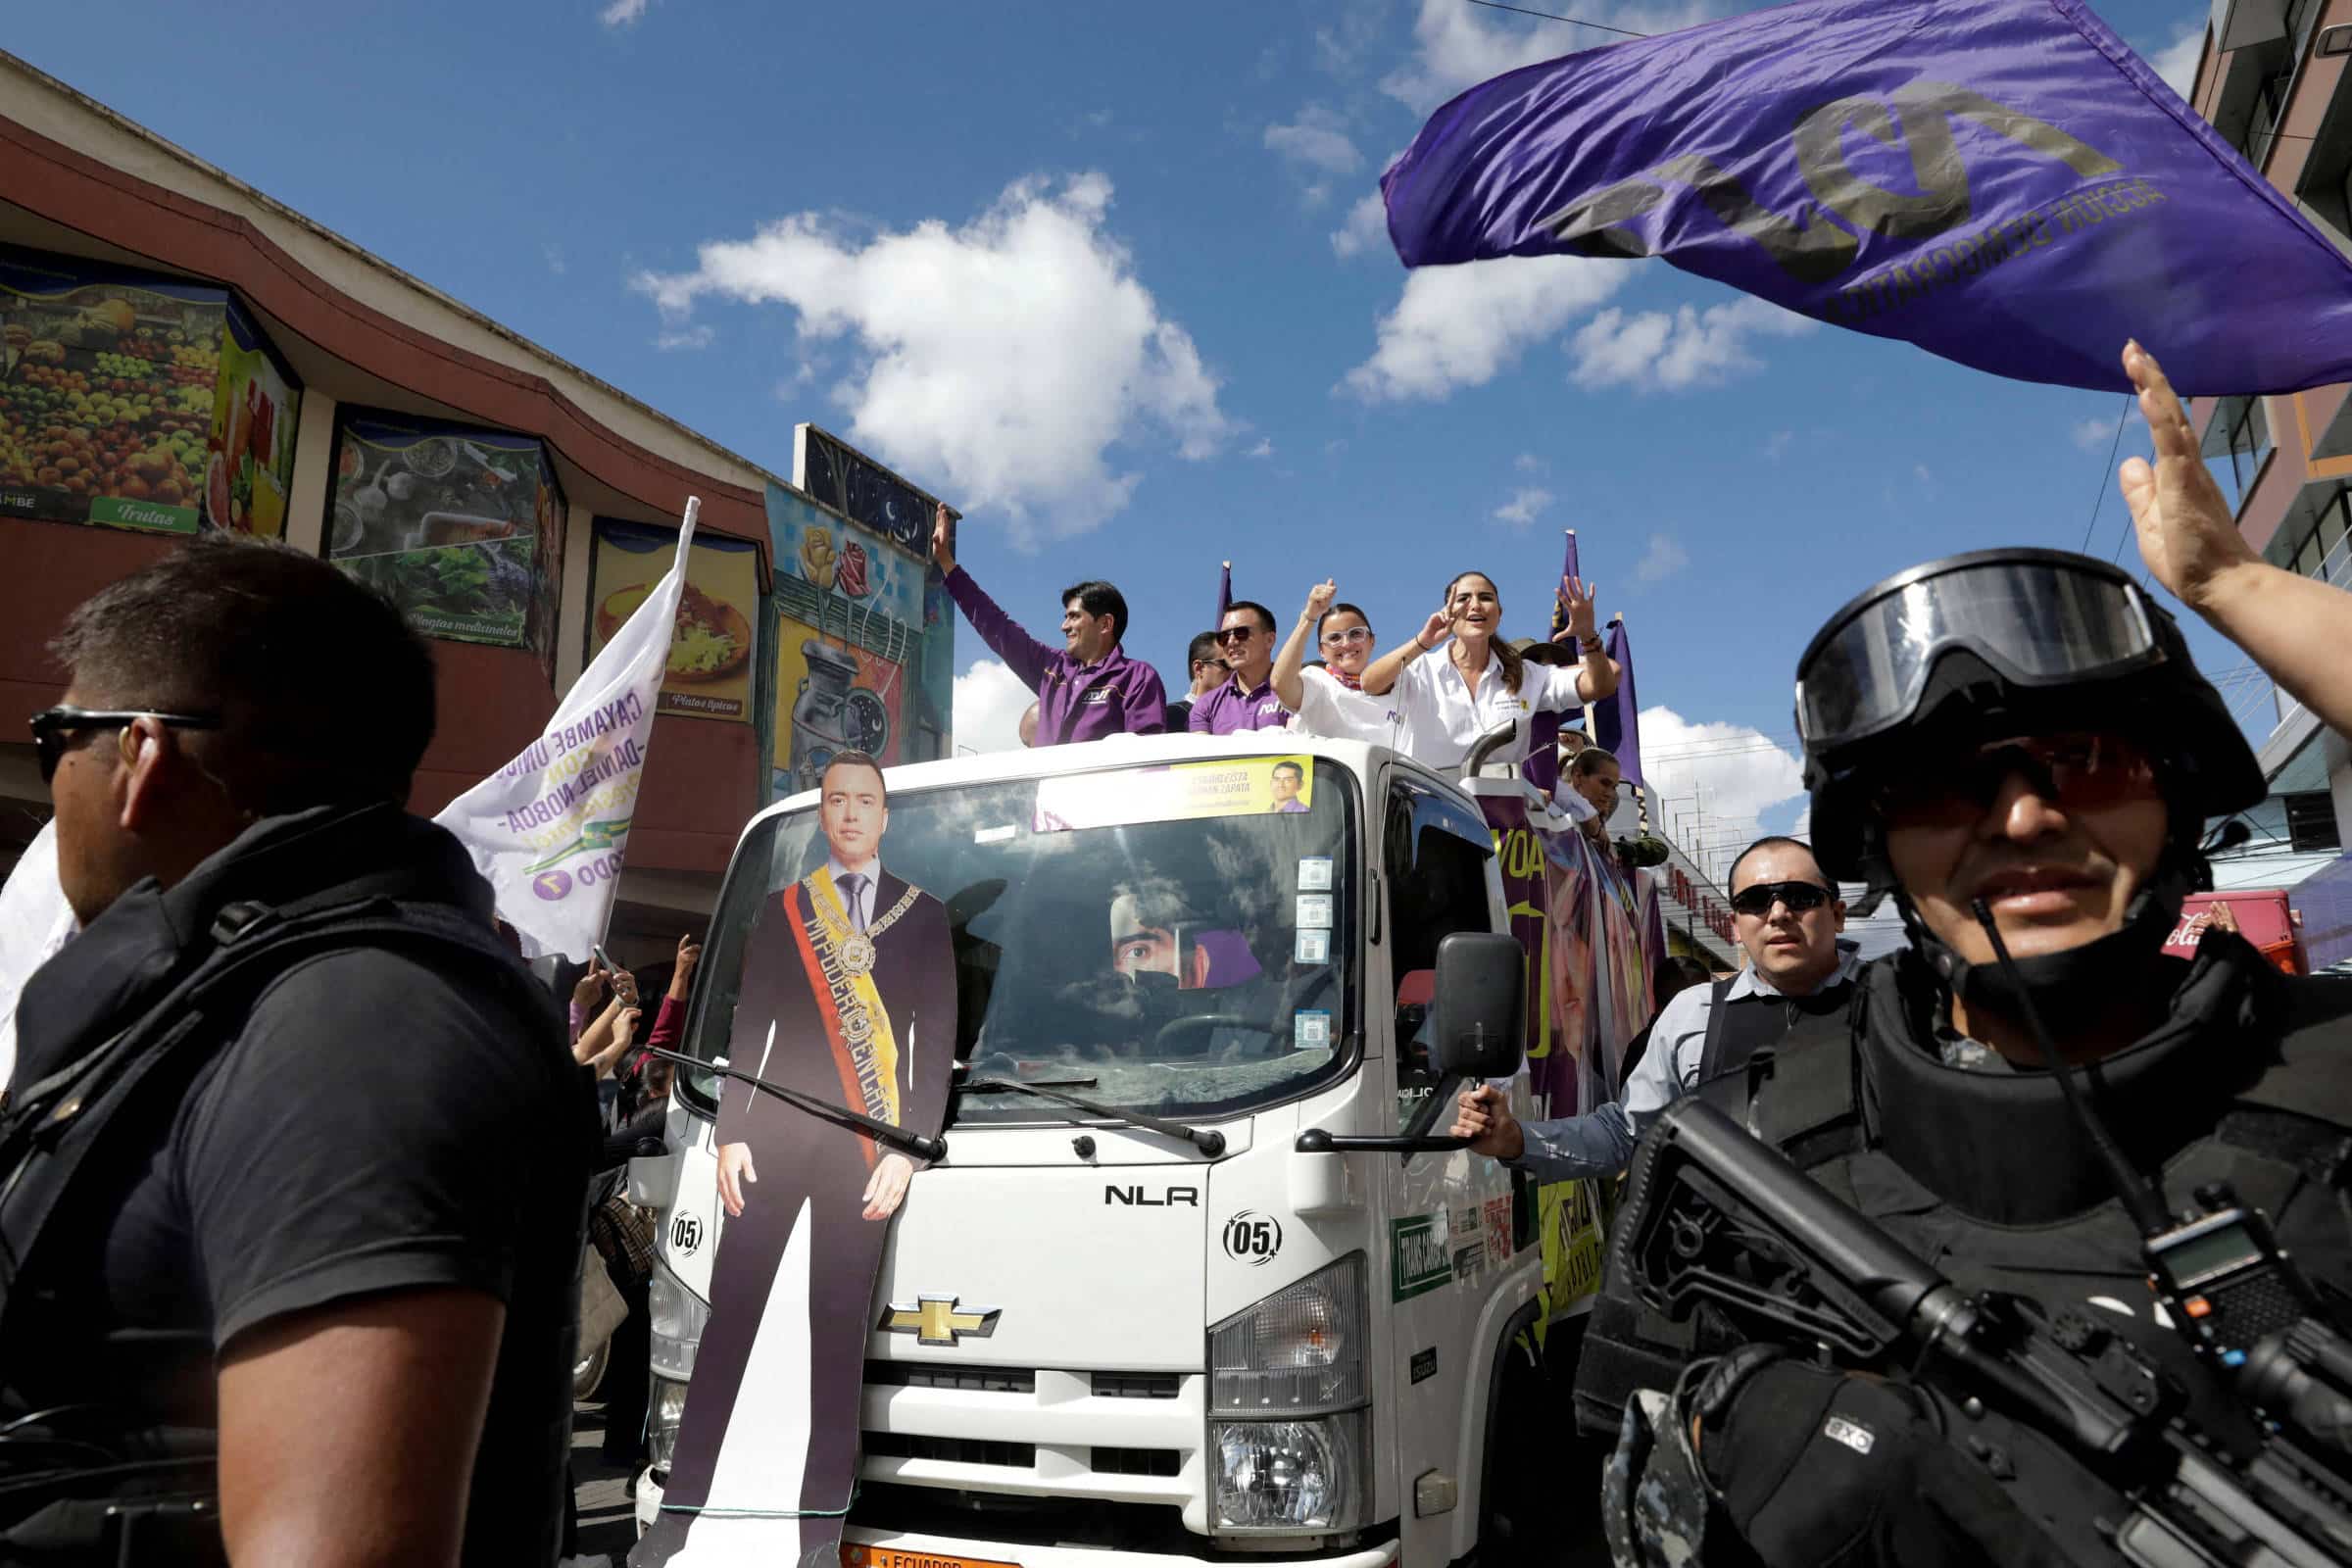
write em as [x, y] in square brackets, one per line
[1179, 936]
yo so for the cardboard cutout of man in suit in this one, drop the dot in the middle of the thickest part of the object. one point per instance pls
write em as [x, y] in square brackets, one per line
[848, 994]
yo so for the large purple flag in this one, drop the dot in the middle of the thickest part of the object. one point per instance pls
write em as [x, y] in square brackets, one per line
[1617, 717]
[2002, 182]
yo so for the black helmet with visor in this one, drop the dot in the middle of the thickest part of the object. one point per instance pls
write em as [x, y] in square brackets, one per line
[1997, 644]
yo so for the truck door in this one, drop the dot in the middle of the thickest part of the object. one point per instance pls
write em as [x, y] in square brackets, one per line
[1448, 1215]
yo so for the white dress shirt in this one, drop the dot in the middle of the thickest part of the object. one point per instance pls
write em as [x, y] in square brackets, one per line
[1343, 713]
[860, 910]
[1442, 718]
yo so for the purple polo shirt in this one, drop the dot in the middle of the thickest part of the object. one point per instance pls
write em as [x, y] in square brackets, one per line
[1074, 701]
[1229, 709]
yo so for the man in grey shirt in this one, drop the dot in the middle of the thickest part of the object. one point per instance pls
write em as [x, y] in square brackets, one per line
[1786, 915]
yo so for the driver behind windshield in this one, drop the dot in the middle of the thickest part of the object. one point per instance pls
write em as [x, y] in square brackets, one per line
[1144, 940]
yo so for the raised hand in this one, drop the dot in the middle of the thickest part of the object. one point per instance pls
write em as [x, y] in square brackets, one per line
[1436, 629]
[690, 954]
[2185, 532]
[943, 527]
[1319, 598]
[1575, 602]
[591, 985]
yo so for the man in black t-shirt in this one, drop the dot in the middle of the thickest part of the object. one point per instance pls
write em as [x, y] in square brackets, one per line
[342, 1235]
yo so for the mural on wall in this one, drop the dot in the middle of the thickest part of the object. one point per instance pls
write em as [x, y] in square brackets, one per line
[857, 641]
[462, 527]
[137, 402]
[713, 652]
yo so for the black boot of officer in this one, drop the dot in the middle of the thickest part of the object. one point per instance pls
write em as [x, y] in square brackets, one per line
[2024, 728]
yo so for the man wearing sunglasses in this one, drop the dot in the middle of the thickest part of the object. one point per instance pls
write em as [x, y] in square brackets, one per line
[1204, 668]
[2009, 742]
[249, 1225]
[1786, 915]
[1246, 699]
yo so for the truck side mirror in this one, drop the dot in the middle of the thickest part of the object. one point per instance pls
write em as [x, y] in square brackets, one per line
[1481, 1004]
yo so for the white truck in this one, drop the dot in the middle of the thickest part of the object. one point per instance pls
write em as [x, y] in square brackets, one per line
[1317, 1344]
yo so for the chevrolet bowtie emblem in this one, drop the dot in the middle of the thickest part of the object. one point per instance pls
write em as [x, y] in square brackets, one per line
[936, 1320]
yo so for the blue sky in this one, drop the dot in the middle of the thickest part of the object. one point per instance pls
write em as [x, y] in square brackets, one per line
[1102, 275]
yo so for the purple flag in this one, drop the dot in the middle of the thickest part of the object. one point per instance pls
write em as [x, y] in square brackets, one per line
[1617, 720]
[2002, 182]
[1224, 594]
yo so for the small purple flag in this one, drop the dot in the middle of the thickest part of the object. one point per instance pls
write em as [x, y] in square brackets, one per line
[1224, 594]
[1617, 720]
[2002, 182]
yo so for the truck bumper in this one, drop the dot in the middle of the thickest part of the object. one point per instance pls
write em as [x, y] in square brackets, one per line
[885, 1550]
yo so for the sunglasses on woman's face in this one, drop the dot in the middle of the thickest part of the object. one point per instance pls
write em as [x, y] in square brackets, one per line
[1801, 897]
[1342, 639]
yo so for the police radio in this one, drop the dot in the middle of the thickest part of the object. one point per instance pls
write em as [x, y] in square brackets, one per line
[2225, 1279]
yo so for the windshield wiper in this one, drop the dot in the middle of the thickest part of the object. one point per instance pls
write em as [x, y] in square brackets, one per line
[927, 1149]
[1207, 1140]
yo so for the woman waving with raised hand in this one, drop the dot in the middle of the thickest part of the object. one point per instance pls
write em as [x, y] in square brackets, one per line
[1445, 705]
[1331, 701]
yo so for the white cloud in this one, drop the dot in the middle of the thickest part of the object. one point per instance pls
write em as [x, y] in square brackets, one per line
[1524, 507]
[1456, 327]
[2094, 435]
[1000, 360]
[1457, 47]
[2177, 62]
[1662, 560]
[620, 12]
[1264, 449]
[1740, 771]
[555, 258]
[1657, 352]
[684, 337]
[989, 702]
[1529, 463]
[1365, 230]
[1317, 139]
[1777, 443]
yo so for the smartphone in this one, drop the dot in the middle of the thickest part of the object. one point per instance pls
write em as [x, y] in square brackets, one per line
[604, 959]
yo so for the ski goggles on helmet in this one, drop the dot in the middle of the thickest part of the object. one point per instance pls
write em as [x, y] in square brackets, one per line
[2037, 618]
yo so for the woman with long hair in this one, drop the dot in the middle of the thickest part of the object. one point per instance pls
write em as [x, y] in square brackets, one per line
[1446, 703]
[1329, 699]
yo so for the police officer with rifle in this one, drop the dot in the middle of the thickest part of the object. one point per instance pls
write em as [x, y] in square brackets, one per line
[2068, 1283]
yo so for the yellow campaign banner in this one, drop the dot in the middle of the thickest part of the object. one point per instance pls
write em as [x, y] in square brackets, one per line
[1234, 786]
[711, 656]
[1574, 1243]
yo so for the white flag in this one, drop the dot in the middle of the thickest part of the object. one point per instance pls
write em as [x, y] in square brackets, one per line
[34, 922]
[548, 830]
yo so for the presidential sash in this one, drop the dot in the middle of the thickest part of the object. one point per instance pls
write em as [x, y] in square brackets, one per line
[839, 963]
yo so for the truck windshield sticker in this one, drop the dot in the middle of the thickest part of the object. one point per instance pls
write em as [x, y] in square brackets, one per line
[1418, 1262]
[1309, 1030]
[1311, 946]
[1239, 786]
[1314, 874]
[1314, 912]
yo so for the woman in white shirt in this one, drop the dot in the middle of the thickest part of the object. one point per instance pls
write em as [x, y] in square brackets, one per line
[1331, 701]
[1446, 703]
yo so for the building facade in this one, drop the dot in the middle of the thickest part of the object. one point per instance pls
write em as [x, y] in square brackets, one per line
[2272, 80]
[181, 353]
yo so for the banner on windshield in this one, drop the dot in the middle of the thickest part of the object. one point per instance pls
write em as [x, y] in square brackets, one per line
[2002, 182]
[1238, 786]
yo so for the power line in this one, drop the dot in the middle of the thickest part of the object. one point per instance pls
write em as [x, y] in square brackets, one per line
[1574, 21]
[2107, 472]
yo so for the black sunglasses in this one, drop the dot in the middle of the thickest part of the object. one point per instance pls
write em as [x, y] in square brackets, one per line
[1759, 898]
[1236, 634]
[51, 726]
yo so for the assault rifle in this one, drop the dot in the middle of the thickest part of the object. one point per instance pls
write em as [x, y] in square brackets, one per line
[1719, 1219]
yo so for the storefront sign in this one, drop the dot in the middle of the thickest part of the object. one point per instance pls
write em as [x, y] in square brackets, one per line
[134, 402]
[462, 527]
[711, 656]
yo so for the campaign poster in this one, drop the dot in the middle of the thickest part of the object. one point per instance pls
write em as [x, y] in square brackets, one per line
[710, 671]
[849, 996]
[460, 526]
[1176, 792]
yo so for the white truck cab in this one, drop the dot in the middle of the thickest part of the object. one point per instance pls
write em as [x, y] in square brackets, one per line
[1091, 1338]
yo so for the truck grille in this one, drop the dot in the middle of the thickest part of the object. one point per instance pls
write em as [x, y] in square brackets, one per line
[933, 1375]
[954, 1450]
[1084, 1437]
[1136, 1462]
[1137, 1385]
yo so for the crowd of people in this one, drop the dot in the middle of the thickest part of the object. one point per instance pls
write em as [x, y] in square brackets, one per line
[288, 1116]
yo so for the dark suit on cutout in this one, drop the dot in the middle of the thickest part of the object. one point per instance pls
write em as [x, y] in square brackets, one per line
[798, 1159]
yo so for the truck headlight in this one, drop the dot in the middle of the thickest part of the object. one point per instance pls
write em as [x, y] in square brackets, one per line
[1289, 1383]
[677, 1316]
[662, 1413]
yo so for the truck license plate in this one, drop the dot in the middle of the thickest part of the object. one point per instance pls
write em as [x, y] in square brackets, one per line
[856, 1556]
